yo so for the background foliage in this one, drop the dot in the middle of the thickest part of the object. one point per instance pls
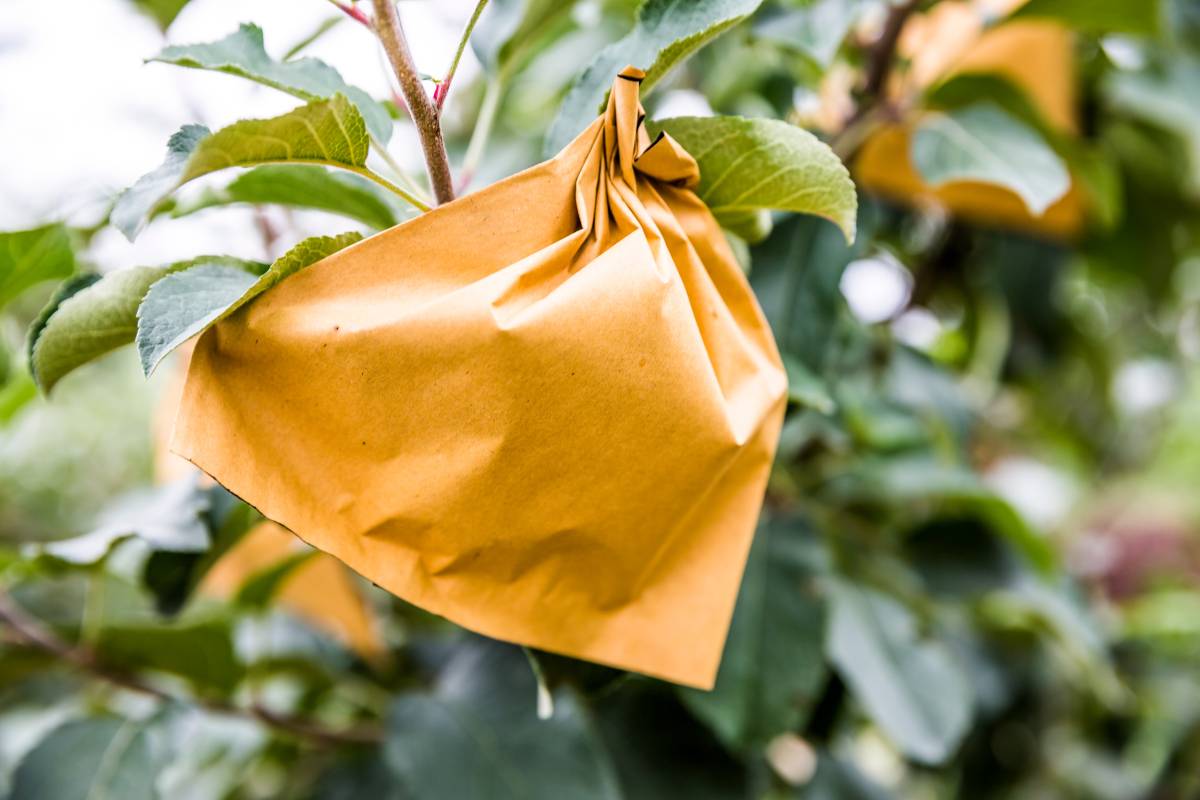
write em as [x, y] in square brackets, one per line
[976, 571]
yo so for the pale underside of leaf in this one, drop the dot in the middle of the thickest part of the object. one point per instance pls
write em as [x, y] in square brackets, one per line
[912, 688]
[982, 143]
[242, 54]
[185, 304]
[98, 316]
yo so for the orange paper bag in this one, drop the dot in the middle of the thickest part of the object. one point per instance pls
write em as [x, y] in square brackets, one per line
[545, 411]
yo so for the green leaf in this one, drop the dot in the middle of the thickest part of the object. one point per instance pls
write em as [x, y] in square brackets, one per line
[477, 734]
[95, 315]
[172, 577]
[983, 143]
[773, 666]
[665, 33]
[242, 53]
[1139, 17]
[1166, 100]
[200, 651]
[98, 757]
[661, 752]
[816, 30]
[751, 164]
[508, 28]
[261, 587]
[805, 388]
[134, 205]
[170, 517]
[302, 186]
[32, 256]
[329, 132]
[912, 688]
[15, 395]
[836, 779]
[185, 304]
[162, 12]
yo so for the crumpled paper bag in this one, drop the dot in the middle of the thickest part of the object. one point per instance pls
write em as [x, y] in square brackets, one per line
[545, 411]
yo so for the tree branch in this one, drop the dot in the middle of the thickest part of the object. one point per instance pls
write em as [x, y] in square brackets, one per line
[31, 633]
[881, 58]
[420, 105]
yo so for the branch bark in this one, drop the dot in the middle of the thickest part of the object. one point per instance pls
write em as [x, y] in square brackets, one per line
[29, 632]
[420, 105]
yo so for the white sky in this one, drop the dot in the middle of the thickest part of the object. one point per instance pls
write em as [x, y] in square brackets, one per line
[82, 117]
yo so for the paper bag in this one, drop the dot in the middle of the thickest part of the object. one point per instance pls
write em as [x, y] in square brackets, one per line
[545, 411]
[321, 591]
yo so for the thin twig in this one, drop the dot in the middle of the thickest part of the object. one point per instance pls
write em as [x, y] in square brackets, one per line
[882, 55]
[443, 88]
[31, 633]
[354, 12]
[422, 108]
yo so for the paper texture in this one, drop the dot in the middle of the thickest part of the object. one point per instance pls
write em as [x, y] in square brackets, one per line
[321, 591]
[545, 411]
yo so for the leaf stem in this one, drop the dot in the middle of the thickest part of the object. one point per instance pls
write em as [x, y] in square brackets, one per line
[30, 632]
[422, 108]
[371, 175]
[443, 88]
[402, 177]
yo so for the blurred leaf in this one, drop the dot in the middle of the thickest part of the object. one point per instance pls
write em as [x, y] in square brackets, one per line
[1165, 99]
[32, 256]
[796, 277]
[98, 757]
[477, 735]
[661, 752]
[817, 29]
[323, 27]
[302, 186]
[1091, 165]
[665, 33]
[242, 53]
[508, 27]
[172, 577]
[961, 558]
[169, 517]
[914, 478]
[773, 666]
[95, 315]
[983, 143]
[1141, 17]
[200, 651]
[329, 132]
[260, 588]
[837, 779]
[910, 687]
[806, 389]
[358, 776]
[15, 395]
[185, 304]
[750, 164]
[162, 12]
